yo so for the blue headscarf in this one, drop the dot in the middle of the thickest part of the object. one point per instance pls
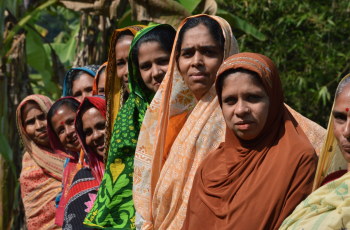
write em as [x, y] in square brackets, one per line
[67, 85]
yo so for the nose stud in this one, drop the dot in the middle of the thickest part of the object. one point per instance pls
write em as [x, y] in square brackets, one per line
[248, 110]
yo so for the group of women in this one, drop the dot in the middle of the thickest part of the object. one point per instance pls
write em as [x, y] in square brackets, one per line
[178, 130]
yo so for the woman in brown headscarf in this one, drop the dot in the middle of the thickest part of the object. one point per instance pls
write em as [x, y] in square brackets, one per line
[266, 165]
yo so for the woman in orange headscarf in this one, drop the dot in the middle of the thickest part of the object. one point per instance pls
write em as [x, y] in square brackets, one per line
[266, 165]
[98, 88]
[116, 86]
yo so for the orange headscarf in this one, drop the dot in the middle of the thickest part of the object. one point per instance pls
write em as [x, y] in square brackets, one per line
[254, 184]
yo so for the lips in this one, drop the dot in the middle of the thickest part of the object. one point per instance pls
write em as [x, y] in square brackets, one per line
[74, 141]
[346, 148]
[42, 135]
[198, 76]
[244, 125]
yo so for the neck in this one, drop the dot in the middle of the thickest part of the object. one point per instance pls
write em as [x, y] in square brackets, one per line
[348, 166]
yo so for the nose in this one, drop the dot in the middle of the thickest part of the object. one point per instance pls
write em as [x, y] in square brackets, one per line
[197, 59]
[346, 131]
[39, 124]
[96, 136]
[70, 130]
[125, 74]
[241, 108]
[157, 71]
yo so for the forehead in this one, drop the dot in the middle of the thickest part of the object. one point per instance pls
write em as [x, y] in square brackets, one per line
[30, 106]
[344, 96]
[199, 35]
[123, 43]
[84, 80]
[245, 81]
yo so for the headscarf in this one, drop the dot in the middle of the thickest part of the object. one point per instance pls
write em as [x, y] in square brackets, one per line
[41, 174]
[97, 77]
[254, 184]
[74, 164]
[118, 211]
[114, 90]
[166, 132]
[95, 161]
[160, 196]
[68, 84]
[328, 206]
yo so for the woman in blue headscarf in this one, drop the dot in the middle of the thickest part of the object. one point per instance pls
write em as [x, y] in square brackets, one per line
[79, 81]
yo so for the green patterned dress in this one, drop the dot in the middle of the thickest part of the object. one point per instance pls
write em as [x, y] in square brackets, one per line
[114, 206]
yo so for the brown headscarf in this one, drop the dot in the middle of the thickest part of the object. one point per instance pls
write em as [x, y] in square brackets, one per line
[254, 184]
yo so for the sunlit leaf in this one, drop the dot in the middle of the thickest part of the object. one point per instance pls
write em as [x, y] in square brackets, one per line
[190, 5]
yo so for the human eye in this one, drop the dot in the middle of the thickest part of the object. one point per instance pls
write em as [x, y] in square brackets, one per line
[77, 94]
[254, 98]
[120, 63]
[88, 132]
[89, 89]
[339, 117]
[145, 66]
[164, 62]
[42, 117]
[30, 121]
[229, 100]
[187, 53]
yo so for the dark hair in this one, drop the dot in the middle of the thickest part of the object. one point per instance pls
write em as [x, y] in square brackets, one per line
[164, 35]
[70, 102]
[212, 25]
[123, 34]
[224, 75]
[341, 86]
[78, 75]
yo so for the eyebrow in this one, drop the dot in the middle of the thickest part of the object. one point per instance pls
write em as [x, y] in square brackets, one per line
[337, 113]
[203, 47]
[157, 59]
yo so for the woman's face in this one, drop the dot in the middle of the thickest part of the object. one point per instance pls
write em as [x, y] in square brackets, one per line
[82, 87]
[121, 58]
[341, 122]
[153, 63]
[63, 125]
[94, 130]
[34, 124]
[199, 60]
[245, 105]
[101, 82]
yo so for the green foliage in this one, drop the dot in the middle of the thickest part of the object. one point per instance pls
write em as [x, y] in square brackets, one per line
[309, 43]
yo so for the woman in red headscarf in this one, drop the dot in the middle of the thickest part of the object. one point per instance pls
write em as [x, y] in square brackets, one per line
[266, 165]
[90, 129]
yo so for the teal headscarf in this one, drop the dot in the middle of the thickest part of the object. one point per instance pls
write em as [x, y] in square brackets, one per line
[114, 206]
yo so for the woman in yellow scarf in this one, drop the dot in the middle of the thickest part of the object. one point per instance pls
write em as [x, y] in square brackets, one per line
[328, 207]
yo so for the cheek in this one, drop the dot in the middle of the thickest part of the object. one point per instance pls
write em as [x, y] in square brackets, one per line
[261, 113]
[337, 131]
[30, 130]
[183, 67]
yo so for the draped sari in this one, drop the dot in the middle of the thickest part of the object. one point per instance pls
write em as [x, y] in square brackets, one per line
[73, 164]
[114, 207]
[328, 207]
[171, 147]
[41, 174]
[115, 92]
[254, 184]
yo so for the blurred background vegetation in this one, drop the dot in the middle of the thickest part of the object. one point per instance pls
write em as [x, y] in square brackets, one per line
[40, 40]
